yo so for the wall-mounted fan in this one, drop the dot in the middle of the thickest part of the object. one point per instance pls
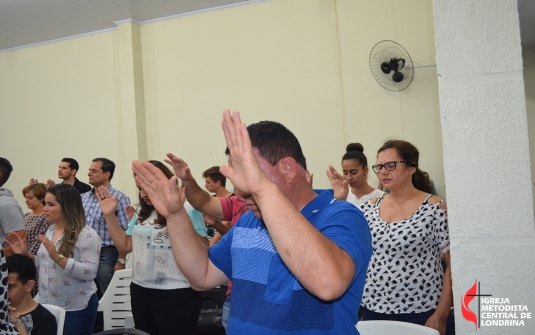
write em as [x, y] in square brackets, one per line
[391, 66]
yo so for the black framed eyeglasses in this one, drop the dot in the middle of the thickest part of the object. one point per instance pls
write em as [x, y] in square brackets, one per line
[389, 166]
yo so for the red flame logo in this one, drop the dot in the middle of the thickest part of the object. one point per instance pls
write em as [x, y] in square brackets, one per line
[469, 296]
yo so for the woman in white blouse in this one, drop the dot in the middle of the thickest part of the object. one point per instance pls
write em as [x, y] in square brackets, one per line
[67, 259]
[405, 279]
[355, 170]
[163, 301]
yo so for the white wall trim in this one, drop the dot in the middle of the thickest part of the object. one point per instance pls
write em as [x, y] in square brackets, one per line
[139, 23]
[60, 39]
[202, 11]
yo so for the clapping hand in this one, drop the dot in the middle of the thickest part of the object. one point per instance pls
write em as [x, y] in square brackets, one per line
[108, 203]
[338, 183]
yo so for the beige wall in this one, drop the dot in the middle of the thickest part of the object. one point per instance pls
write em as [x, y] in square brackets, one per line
[302, 63]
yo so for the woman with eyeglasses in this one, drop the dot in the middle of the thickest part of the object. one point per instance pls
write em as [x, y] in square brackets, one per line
[355, 170]
[163, 301]
[405, 279]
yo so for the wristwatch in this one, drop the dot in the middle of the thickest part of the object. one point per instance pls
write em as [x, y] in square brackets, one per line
[121, 261]
[60, 257]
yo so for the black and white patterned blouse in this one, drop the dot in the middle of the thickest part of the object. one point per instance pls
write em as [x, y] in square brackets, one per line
[6, 328]
[405, 274]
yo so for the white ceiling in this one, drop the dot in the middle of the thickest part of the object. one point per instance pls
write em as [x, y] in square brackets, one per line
[29, 22]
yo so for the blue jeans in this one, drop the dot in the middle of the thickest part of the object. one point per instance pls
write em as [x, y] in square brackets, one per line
[108, 258]
[81, 322]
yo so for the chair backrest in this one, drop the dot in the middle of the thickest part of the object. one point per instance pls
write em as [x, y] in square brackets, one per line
[393, 327]
[115, 303]
[59, 313]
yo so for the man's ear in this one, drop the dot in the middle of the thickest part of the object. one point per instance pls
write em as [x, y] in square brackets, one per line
[107, 175]
[288, 168]
[29, 285]
[218, 183]
[74, 171]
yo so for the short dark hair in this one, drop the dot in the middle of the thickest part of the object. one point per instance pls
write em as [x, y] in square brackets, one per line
[356, 151]
[215, 175]
[274, 142]
[107, 165]
[23, 266]
[5, 170]
[73, 164]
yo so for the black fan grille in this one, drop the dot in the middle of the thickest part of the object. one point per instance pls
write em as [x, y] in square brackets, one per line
[385, 51]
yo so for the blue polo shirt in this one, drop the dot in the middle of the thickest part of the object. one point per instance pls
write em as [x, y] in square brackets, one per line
[266, 296]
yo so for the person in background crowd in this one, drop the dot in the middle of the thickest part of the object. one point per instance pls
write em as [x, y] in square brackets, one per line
[68, 167]
[215, 183]
[67, 260]
[34, 319]
[163, 301]
[11, 218]
[409, 226]
[35, 221]
[355, 169]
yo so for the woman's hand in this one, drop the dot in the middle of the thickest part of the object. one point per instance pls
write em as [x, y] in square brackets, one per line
[17, 244]
[49, 246]
[108, 204]
[338, 184]
[130, 211]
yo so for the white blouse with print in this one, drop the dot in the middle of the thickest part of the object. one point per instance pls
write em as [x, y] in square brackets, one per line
[72, 287]
[405, 273]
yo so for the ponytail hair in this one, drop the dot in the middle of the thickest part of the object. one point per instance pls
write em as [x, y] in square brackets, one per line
[408, 152]
[356, 151]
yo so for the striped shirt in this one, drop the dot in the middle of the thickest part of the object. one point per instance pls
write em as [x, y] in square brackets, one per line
[95, 219]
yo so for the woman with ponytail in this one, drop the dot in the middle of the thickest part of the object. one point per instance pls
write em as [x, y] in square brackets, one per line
[405, 280]
[355, 170]
[67, 259]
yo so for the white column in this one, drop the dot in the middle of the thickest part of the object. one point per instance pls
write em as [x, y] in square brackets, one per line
[486, 155]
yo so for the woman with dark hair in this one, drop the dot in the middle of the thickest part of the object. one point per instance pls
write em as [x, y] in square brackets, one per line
[163, 301]
[355, 170]
[67, 259]
[35, 221]
[405, 279]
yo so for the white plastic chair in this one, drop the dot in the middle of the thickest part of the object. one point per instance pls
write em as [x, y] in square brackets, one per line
[393, 327]
[115, 304]
[59, 313]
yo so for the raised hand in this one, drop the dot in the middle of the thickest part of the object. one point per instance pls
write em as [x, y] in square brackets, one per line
[130, 211]
[245, 173]
[180, 167]
[49, 183]
[338, 183]
[108, 204]
[310, 177]
[165, 195]
[33, 181]
[49, 246]
[18, 244]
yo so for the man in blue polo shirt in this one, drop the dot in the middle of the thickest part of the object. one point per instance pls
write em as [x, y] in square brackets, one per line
[297, 260]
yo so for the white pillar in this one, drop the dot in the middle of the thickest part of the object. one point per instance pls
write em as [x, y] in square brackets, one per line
[486, 156]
